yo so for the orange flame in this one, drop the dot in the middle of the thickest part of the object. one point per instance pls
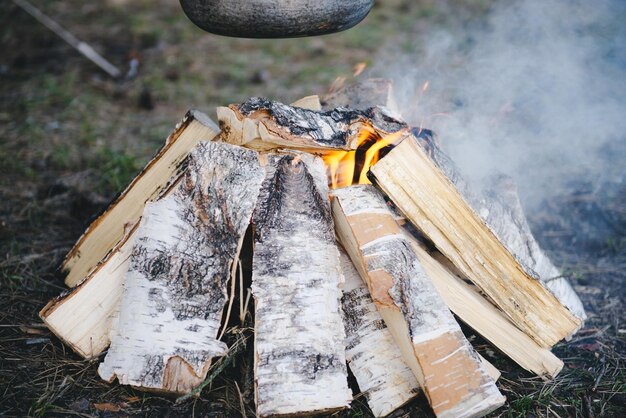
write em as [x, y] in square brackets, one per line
[342, 165]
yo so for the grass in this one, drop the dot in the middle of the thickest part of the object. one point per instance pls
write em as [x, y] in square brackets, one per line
[60, 116]
[117, 169]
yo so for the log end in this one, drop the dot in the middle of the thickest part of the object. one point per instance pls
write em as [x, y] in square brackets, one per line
[180, 378]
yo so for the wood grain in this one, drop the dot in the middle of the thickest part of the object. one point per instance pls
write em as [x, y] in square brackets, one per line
[82, 317]
[499, 206]
[481, 315]
[429, 199]
[176, 286]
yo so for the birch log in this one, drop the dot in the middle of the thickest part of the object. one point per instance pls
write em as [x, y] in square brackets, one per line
[430, 200]
[373, 356]
[449, 370]
[176, 285]
[481, 315]
[299, 336]
[501, 210]
[108, 229]
[82, 318]
[264, 125]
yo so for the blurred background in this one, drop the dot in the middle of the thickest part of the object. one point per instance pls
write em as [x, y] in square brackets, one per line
[534, 89]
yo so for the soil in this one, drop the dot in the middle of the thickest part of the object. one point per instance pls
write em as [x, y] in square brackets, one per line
[71, 138]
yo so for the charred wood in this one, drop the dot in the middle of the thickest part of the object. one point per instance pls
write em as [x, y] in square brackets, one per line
[264, 125]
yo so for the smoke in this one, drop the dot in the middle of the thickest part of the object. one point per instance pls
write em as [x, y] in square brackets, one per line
[536, 91]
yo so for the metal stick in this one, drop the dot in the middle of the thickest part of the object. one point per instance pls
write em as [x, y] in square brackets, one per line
[79, 45]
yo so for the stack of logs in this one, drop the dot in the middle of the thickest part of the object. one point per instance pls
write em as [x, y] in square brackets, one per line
[370, 281]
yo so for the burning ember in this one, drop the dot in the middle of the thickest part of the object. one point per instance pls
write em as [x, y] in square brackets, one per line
[346, 168]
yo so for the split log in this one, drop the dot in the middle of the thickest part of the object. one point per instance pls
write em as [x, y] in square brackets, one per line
[362, 95]
[447, 367]
[502, 211]
[300, 363]
[176, 286]
[108, 229]
[500, 208]
[430, 200]
[483, 317]
[82, 318]
[264, 125]
[95, 301]
[372, 354]
[309, 102]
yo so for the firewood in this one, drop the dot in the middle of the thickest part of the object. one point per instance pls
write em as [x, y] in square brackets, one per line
[176, 286]
[82, 317]
[447, 367]
[500, 208]
[505, 216]
[427, 196]
[300, 365]
[108, 229]
[362, 95]
[264, 125]
[373, 356]
[309, 102]
[472, 308]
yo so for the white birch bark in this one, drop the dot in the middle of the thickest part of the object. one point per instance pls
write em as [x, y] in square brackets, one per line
[300, 363]
[108, 229]
[481, 315]
[373, 356]
[451, 373]
[176, 286]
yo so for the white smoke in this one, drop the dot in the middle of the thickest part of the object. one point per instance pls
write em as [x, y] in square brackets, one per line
[536, 91]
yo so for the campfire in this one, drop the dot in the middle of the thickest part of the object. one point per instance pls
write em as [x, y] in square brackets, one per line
[368, 247]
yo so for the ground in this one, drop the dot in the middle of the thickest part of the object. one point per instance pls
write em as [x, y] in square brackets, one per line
[70, 138]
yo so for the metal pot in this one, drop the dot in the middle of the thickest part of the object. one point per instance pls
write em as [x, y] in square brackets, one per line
[275, 18]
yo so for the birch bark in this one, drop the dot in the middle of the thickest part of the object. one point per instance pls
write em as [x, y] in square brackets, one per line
[299, 336]
[108, 229]
[449, 370]
[373, 356]
[176, 286]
